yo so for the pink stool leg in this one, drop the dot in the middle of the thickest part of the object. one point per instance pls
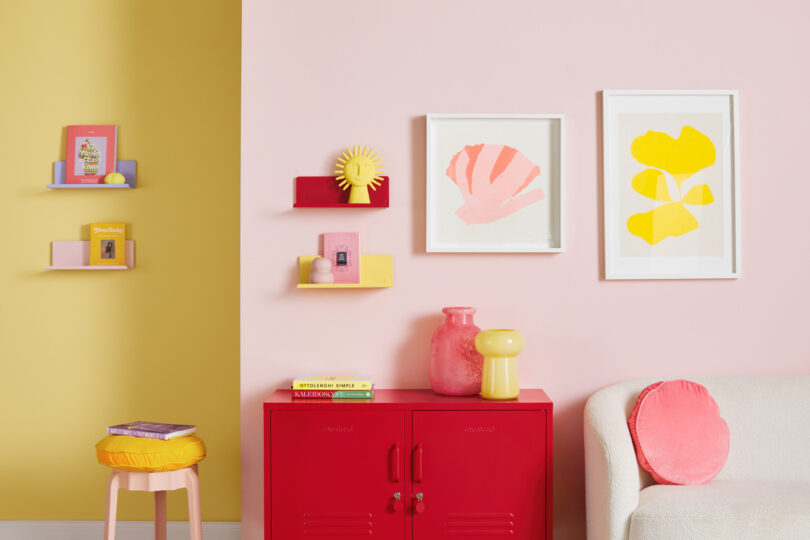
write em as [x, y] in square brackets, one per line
[160, 515]
[112, 506]
[193, 489]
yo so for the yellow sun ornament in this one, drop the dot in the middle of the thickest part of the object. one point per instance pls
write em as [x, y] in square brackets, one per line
[681, 158]
[359, 169]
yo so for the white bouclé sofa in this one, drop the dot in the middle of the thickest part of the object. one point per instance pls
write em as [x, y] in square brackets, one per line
[763, 491]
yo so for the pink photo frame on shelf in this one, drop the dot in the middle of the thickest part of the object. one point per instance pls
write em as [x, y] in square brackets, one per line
[343, 249]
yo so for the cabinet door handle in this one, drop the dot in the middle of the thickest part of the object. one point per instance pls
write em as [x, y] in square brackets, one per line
[396, 503]
[417, 463]
[394, 463]
[418, 504]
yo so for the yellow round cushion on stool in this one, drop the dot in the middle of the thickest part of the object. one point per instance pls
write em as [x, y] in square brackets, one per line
[149, 455]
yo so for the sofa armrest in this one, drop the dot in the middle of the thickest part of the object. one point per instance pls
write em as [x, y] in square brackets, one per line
[612, 479]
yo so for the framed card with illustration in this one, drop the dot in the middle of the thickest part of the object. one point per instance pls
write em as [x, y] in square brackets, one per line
[91, 153]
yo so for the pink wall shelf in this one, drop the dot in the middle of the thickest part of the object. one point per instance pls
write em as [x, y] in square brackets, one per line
[127, 168]
[324, 192]
[75, 255]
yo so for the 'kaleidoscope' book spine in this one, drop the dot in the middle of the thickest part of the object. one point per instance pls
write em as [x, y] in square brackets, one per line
[333, 394]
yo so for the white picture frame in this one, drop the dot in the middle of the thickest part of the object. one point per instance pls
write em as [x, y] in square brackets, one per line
[694, 133]
[459, 220]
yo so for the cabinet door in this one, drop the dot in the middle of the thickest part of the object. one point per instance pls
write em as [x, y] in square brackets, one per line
[334, 474]
[481, 473]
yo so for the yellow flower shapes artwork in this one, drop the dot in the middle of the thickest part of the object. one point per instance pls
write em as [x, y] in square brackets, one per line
[359, 168]
[681, 158]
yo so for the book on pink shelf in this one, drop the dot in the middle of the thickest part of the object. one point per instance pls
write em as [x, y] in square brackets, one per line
[343, 249]
[152, 430]
[91, 153]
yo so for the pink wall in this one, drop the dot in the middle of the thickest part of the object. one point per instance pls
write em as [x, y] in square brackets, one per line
[318, 76]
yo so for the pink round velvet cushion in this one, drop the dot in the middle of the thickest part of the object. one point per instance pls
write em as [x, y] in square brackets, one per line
[678, 433]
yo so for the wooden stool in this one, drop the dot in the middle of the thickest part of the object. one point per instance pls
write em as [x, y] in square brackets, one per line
[159, 483]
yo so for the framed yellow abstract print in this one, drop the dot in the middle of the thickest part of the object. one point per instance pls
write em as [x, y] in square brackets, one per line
[671, 184]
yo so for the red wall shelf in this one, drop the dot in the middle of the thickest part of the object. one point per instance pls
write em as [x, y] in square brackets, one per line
[325, 192]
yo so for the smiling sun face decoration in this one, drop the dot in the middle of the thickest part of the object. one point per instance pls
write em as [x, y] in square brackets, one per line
[359, 169]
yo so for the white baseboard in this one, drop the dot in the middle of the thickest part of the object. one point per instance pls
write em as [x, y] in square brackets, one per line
[124, 530]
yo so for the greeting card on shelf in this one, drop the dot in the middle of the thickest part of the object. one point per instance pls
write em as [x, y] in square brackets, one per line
[91, 153]
[107, 244]
[343, 249]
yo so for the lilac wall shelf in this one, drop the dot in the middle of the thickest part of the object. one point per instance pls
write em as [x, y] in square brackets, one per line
[75, 255]
[127, 168]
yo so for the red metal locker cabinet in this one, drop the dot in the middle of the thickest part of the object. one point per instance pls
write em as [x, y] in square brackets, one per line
[479, 473]
[483, 468]
[335, 473]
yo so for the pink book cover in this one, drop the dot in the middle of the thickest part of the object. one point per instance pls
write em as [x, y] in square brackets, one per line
[343, 249]
[91, 153]
[152, 430]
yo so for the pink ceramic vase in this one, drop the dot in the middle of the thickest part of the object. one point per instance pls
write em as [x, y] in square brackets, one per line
[455, 364]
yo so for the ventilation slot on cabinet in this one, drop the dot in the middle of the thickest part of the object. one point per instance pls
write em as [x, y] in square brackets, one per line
[338, 524]
[479, 524]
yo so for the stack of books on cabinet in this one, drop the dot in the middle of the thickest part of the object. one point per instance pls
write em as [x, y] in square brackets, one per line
[333, 387]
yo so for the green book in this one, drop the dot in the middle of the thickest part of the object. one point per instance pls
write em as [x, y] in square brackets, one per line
[333, 394]
[353, 394]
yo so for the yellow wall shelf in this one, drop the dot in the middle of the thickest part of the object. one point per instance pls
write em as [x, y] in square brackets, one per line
[376, 272]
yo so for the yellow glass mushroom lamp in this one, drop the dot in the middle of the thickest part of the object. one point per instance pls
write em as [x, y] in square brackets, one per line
[500, 348]
[359, 168]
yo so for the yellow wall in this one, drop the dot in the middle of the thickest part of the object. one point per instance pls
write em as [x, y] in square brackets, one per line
[82, 350]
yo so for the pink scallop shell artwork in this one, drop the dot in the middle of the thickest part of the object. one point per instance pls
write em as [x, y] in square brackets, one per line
[491, 178]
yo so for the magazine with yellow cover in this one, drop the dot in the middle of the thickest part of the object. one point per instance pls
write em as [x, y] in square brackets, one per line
[108, 244]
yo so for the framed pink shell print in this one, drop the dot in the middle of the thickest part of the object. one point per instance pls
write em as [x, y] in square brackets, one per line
[495, 183]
